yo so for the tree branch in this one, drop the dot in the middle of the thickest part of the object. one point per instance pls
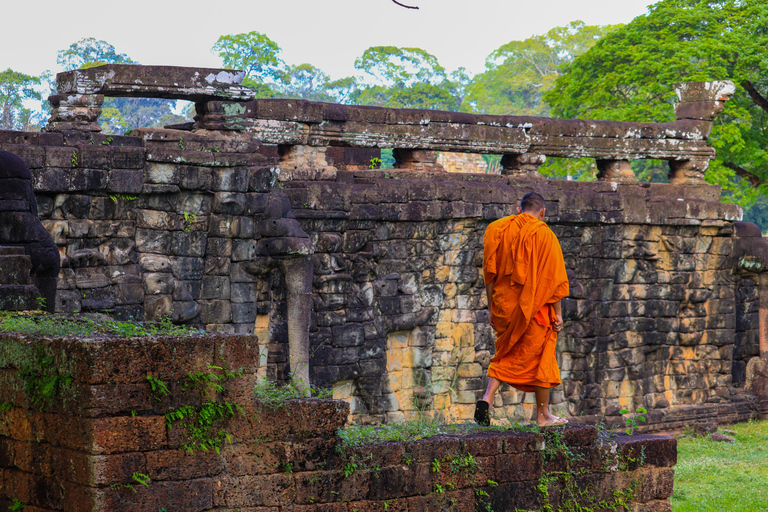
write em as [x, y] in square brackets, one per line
[758, 98]
[743, 173]
[406, 6]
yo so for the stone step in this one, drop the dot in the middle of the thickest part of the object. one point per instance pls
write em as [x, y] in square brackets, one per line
[10, 250]
[14, 270]
[19, 297]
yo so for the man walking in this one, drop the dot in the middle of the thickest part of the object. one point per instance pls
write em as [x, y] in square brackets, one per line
[525, 279]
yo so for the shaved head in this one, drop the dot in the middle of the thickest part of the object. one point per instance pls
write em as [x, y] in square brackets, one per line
[532, 203]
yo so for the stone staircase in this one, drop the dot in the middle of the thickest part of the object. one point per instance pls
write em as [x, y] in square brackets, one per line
[17, 293]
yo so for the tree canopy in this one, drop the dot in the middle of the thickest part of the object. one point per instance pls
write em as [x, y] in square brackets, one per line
[629, 75]
[15, 88]
[519, 73]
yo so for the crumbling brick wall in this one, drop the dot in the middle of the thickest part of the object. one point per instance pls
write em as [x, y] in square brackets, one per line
[102, 442]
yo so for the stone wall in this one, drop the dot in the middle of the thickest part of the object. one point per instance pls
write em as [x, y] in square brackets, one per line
[102, 442]
[175, 223]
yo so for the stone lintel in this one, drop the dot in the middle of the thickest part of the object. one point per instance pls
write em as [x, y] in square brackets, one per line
[168, 82]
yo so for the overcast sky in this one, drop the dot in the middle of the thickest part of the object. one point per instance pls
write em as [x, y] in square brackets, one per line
[329, 34]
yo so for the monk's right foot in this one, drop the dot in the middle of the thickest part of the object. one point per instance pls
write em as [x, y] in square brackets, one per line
[551, 420]
[482, 413]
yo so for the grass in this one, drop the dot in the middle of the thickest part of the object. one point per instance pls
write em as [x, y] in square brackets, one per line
[39, 324]
[355, 436]
[732, 477]
[273, 396]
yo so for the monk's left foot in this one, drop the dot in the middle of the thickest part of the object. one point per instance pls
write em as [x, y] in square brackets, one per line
[482, 413]
[552, 420]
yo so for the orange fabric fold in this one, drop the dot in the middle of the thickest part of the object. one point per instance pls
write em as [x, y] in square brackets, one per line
[524, 261]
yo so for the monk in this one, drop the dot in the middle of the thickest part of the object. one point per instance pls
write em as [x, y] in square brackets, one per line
[525, 280]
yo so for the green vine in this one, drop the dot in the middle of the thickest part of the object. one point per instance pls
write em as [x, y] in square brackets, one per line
[203, 423]
[43, 380]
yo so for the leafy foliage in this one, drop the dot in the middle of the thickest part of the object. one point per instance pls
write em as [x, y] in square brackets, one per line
[520, 72]
[15, 88]
[89, 52]
[629, 75]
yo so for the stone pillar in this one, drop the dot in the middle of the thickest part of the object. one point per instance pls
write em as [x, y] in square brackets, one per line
[682, 172]
[417, 160]
[618, 171]
[762, 292]
[520, 165]
[298, 282]
[75, 112]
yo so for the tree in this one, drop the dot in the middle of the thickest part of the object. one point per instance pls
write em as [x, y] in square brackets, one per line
[118, 115]
[306, 82]
[257, 55]
[15, 88]
[629, 75]
[520, 72]
[89, 52]
[408, 78]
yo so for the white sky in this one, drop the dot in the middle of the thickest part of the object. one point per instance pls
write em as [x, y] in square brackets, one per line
[329, 34]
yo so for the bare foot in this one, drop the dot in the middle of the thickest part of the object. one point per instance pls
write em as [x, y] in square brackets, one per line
[551, 420]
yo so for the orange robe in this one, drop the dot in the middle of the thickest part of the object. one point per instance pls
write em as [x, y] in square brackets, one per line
[524, 261]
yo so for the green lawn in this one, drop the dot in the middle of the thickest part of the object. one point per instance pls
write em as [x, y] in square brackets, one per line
[723, 477]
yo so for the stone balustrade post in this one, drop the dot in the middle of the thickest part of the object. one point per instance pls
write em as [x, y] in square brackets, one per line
[683, 172]
[699, 102]
[617, 171]
[417, 160]
[75, 112]
[521, 164]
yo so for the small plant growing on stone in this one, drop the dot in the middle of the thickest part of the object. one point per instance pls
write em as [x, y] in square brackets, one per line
[158, 387]
[17, 505]
[142, 479]
[286, 467]
[631, 421]
[189, 219]
[107, 141]
[181, 143]
[115, 197]
[74, 158]
[375, 163]
[40, 303]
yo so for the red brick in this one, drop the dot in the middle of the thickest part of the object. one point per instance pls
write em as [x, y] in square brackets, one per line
[517, 467]
[396, 505]
[456, 501]
[126, 434]
[182, 465]
[189, 496]
[254, 491]
[85, 469]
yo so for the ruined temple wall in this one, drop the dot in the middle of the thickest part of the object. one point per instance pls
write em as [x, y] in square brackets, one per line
[170, 223]
[650, 320]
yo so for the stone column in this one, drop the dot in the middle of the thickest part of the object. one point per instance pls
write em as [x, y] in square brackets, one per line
[762, 292]
[618, 171]
[521, 165]
[682, 172]
[298, 282]
[417, 160]
[75, 112]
